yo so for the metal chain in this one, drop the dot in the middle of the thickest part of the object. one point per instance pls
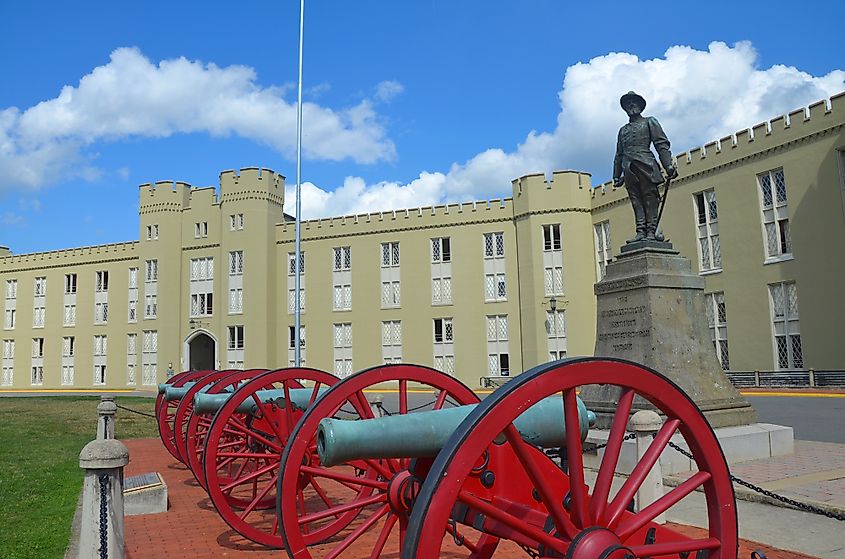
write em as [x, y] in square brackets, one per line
[135, 411]
[104, 528]
[797, 504]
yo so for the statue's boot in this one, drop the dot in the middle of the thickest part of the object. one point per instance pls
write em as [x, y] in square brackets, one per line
[651, 207]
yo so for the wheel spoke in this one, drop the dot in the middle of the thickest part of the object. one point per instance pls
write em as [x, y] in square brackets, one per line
[343, 478]
[249, 432]
[249, 477]
[670, 548]
[338, 509]
[661, 505]
[403, 396]
[251, 506]
[441, 399]
[378, 547]
[604, 479]
[321, 492]
[561, 519]
[263, 408]
[575, 462]
[350, 539]
[640, 471]
[514, 522]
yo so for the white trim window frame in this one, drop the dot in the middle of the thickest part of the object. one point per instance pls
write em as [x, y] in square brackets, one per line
[786, 328]
[342, 278]
[443, 338]
[601, 238]
[292, 345]
[498, 356]
[717, 323]
[556, 334]
[201, 301]
[391, 341]
[441, 271]
[707, 232]
[553, 280]
[292, 282]
[343, 349]
[493, 252]
[391, 286]
[774, 211]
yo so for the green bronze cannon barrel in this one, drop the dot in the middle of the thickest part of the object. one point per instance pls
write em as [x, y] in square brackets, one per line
[422, 434]
[177, 392]
[210, 403]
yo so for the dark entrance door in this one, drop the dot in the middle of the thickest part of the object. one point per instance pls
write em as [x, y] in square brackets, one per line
[201, 353]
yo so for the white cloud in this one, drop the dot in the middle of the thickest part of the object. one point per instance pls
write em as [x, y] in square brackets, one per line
[131, 96]
[388, 89]
[697, 95]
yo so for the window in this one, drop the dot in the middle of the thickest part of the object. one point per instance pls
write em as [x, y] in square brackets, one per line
[38, 317]
[342, 259]
[444, 349]
[37, 375]
[391, 292]
[552, 260]
[707, 227]
[494, 287]
[40, 288]
[783, 298]
[775, 214]
[601, 233]
[149, 357]
[343, 349]
[236, 263]
[133, 295]
[99, 374]
[556, 334]
[131, 357]
[236, 300]
[150, 306]
[11, 289]
[498, 358]
[38, 347]
[441, 250]
[236, 222]
[101, 312]
[494, 245]
[292, 282]
[70, 284]
[151, 271]
[441, 271]
[200, 229]
[236, 337]
[551, 237]
[391, 341]
[8, 362]
[149, 232]
[717, 322]
[101, 281]
[8, 349]
[133, 278]
[100, 346]
[202, 304]
[70, 315]
[202, 287]
[342, 279]
[292, 346]
[9, 322]
[68, 346]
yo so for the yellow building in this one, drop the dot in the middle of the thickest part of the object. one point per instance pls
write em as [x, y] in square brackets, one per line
[467, 288]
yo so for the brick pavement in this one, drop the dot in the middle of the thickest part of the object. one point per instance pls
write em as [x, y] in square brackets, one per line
[192, 528]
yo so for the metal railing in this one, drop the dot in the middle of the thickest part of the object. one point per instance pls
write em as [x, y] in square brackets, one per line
[789, 378]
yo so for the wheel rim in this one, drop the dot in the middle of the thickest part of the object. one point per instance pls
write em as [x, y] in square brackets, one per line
[591, 506]
[198, 424]
[166, 411]
[241, 460]
[316, 503]
[185, 410]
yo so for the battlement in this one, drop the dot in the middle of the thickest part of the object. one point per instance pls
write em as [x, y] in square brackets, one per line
[481, 211]
[252, 182]
[801, 122]
[566, 189]
[69, 256]
[164, 196]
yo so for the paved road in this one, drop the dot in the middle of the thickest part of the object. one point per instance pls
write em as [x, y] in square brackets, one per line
[813, 418]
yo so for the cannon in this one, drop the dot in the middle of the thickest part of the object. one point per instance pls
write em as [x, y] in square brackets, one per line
[166, 409]
[489, 491]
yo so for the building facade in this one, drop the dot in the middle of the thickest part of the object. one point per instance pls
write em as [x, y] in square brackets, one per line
[479, 289]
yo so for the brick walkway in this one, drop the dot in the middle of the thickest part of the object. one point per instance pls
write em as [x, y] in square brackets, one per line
[192, 528]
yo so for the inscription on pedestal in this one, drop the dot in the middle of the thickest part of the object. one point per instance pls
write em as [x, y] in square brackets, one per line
[624, 322]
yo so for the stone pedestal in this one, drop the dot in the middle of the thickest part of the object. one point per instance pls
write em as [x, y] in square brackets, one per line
[650, 310]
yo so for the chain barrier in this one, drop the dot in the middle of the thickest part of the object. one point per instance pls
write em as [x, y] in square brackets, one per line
[104, 528]
[135, 411]
[792, 502]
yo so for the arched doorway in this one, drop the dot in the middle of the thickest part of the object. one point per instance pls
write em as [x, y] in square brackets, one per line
[201, 352]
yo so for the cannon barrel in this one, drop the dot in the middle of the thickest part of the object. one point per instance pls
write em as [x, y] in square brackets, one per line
[210, 403]
[177, 392]
[421, 434]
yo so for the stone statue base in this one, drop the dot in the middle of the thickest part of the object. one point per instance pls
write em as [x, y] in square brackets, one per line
[650, 310]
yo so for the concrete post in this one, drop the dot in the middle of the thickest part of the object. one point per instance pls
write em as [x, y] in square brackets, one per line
[645, 424]
[102, 499]
[105, 417]
[812, 377]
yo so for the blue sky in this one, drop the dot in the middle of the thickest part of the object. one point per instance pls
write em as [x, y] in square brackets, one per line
[406, 103]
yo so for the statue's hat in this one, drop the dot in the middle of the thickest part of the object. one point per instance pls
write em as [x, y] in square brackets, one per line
[632, 96]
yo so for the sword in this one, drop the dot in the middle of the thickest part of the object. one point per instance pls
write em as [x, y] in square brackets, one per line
[662, 202]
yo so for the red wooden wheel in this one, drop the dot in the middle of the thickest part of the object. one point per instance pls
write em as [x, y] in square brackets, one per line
[185, 409]
[167, 410]
[568, 517]
[242, 451]
[199, 423]
[175, 378]
[352, 503]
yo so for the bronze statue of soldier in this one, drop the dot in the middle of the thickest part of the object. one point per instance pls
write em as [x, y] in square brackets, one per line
[636, 166]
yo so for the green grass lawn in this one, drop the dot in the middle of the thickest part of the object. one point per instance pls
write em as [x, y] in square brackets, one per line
[40, 478]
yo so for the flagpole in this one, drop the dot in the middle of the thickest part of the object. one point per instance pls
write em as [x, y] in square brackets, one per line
[298, 248]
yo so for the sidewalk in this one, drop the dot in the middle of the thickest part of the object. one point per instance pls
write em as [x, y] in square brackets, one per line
[192, 528]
